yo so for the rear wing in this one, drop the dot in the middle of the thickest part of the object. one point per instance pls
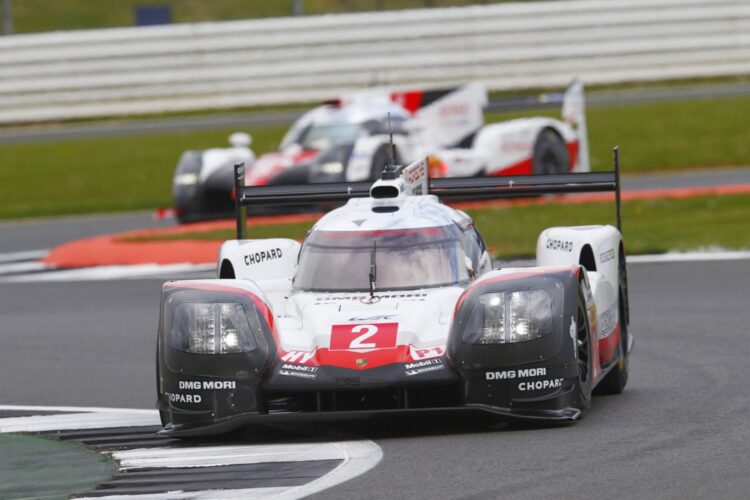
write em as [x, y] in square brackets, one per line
[447, 189]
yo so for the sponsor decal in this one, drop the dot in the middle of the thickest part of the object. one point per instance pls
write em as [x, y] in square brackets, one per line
[301, 371]
[364, 336]
[301, 357]
[426, 352]
[262, 256]
[559, 245]
[454, 109]
[376, 317]
[510, 374]
[208, 385]
[607, 321]
[184, 398]
[424, 366]
[538, 385]
[336, 299]
[607, 256]
[515, 147]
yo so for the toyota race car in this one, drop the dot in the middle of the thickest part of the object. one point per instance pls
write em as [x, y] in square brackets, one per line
[347, 139]
[202, 181]
[391, 305]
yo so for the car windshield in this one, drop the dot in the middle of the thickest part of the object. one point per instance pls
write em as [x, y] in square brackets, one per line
[402, 259]
[323, 136]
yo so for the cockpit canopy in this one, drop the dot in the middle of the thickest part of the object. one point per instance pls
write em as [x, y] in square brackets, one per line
[403, 259]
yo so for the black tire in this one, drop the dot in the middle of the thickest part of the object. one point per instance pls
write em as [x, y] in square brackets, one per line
[550, 154]
[226, 271]
[163, 415]
[583, 354]
[617, 378]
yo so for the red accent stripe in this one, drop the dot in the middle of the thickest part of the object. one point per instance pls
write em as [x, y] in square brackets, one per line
[573, 153]
[410, 100]
[608, 345]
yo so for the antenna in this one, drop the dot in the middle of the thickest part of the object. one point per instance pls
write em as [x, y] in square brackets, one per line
[239, 191]
[616, 160]
[373, 269]
[389, 172]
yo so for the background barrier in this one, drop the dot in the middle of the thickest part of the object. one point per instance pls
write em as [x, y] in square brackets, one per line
[75, 74]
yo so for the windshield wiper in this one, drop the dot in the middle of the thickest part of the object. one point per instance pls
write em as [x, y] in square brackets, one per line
[373, 269]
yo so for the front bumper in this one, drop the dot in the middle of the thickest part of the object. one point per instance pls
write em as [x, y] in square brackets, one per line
[443, 392]
[228, 424]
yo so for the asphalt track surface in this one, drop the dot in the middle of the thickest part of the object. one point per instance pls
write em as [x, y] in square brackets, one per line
[25, 235]
[679, 431]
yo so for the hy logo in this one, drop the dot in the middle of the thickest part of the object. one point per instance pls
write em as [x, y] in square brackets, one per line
[361, 362]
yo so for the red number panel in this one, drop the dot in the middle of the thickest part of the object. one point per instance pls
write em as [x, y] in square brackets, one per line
[366, 336]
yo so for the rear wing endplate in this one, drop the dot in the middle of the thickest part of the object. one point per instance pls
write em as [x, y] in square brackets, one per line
[446, 188]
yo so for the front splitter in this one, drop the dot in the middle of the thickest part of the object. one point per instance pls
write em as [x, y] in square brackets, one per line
[228, 424]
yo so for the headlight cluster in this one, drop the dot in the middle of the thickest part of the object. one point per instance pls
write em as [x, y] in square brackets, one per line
[508, 317]
[332, 167]
[186, 180]
[214, 328]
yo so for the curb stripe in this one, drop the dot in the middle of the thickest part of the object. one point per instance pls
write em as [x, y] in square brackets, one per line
[154, 467]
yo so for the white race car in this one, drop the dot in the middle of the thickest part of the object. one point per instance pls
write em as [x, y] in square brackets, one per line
[391, 305]
[347, 139]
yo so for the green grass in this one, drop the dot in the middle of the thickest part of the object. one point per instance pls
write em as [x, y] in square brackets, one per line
[511, 232]
[48, 15]
[135, 172]
[102, 175]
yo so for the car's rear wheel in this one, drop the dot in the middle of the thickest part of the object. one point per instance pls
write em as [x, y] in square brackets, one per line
[617, 378]
[550, 154]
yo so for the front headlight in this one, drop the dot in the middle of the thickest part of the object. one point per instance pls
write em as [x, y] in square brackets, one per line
[186, 180]
[214, 328]
[332, 167]
[508, 317]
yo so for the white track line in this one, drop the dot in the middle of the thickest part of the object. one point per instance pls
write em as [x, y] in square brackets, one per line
[211, 456]
[245, 494]
[74, 421]
[361, 456]
[98, 409]
[20, 256]
[111, 272]
[23, 267]
[690, 256]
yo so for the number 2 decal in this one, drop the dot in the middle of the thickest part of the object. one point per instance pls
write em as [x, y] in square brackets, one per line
[370, 336]
[358, 343]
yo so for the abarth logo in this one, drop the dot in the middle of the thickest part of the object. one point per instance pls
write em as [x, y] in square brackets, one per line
[361, 362]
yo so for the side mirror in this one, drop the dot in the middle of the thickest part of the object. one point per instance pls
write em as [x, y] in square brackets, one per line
[240, 140]
[470, 268]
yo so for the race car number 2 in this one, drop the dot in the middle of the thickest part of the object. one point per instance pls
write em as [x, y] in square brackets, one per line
[372, 336]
